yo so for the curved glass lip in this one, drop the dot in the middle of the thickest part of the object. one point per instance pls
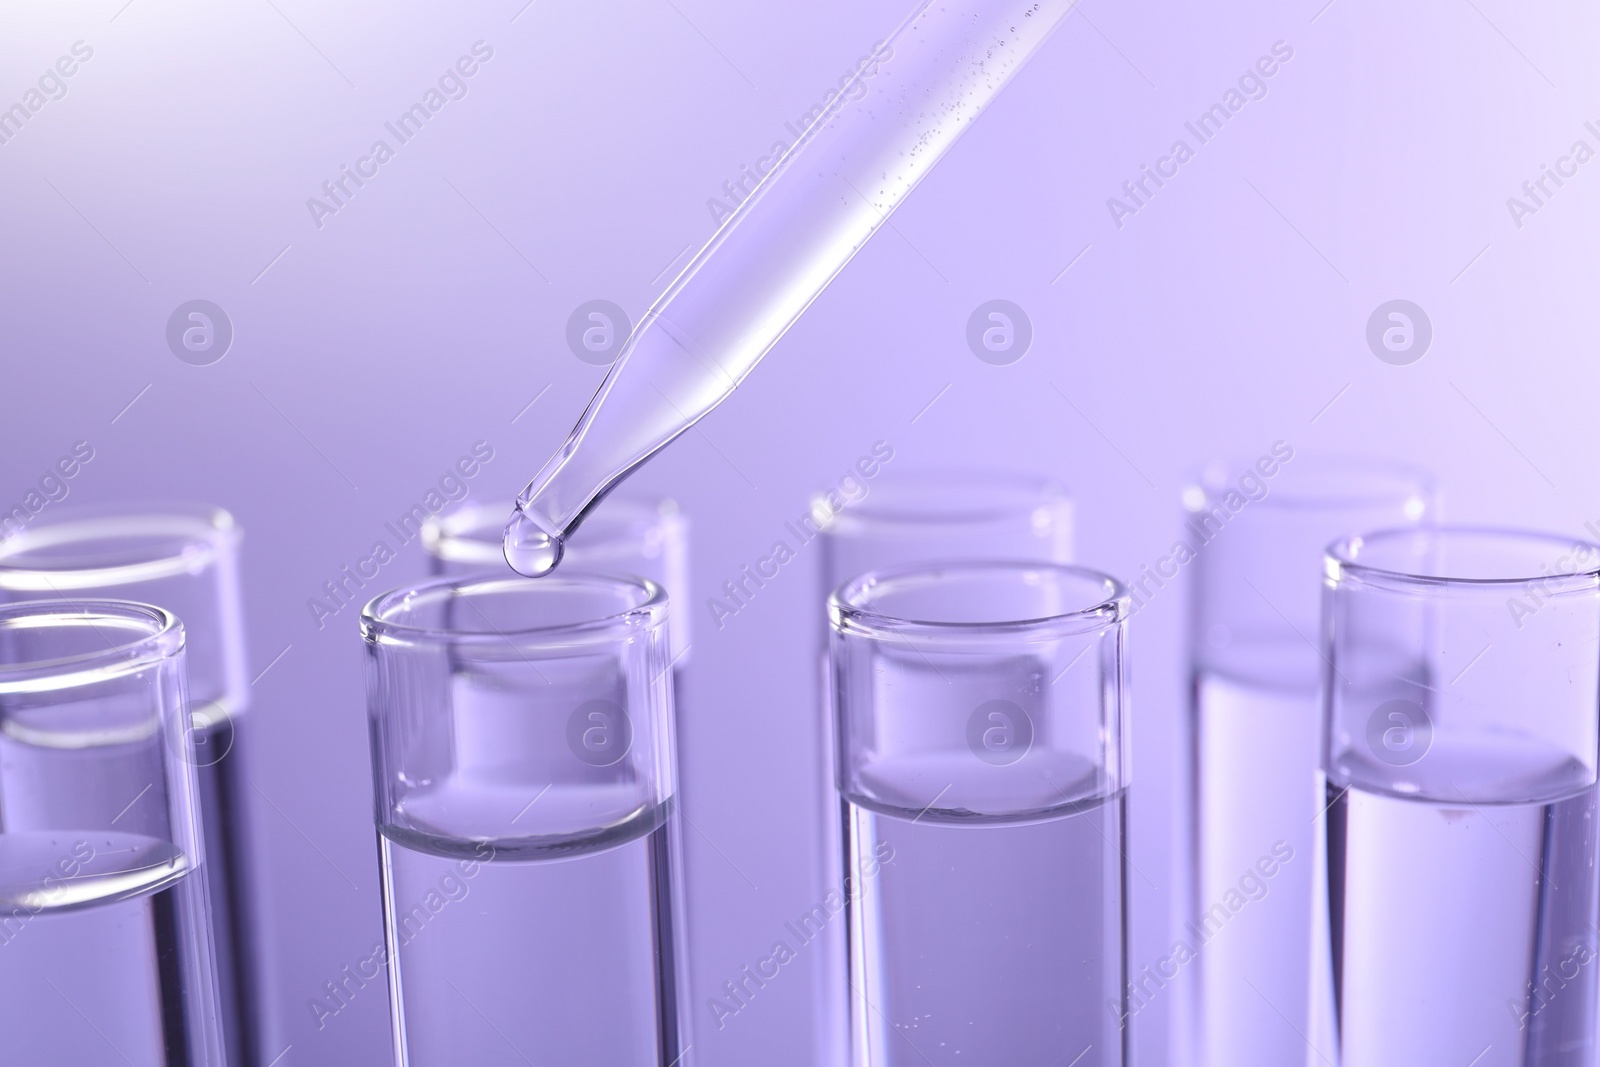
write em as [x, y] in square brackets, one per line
[1342, 560]
[846, 613]
[947, 496]
[200, 530]
[161, 640]
[450, 537]
[1358, 481]
[379, 627]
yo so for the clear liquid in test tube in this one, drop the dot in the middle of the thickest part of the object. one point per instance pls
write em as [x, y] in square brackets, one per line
[819, 205]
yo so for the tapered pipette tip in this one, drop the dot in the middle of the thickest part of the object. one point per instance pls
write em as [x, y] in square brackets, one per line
[530, 550]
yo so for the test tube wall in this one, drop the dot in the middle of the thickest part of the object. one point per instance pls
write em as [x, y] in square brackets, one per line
[983, 765]
[1462, 713]
[883, 519]
[184, 558]
[1256, 532]
[105, 939]
[525, 781]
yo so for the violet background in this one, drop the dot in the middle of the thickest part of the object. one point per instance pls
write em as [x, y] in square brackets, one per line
[372, 352]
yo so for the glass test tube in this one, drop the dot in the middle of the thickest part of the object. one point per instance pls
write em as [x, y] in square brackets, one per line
[626, 535]
[105, 944]
[983, 762]
[905, 105]
[1256, 534]
[902, 519]
[184, 558]
[524, 773]
[1462, 709]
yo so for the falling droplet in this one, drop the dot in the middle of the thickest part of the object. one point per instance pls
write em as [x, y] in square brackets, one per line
[529, 550]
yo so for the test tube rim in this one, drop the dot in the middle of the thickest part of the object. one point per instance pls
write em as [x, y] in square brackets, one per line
[377, 628]
[162, 639]
[1341, 560]
[1102, 613]
[1383, 481]
[1027, 493]
[204, 531]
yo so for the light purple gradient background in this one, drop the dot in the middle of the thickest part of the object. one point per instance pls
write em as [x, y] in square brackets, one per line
[1227, 314]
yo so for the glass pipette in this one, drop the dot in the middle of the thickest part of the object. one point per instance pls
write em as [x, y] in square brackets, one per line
[874, 140]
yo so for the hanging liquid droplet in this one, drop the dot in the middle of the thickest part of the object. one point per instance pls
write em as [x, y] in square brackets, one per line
[529, 550]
